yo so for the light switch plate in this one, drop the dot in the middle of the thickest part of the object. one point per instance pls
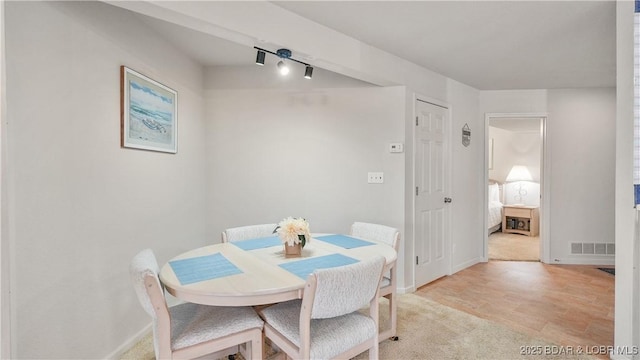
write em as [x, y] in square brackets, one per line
[375, 178]
[396, 147]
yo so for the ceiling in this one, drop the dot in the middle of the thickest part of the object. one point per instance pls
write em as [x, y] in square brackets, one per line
[489, 45]
[206, 49]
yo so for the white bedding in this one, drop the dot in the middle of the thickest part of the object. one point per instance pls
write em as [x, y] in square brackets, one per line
[495, 208]
[495, 214]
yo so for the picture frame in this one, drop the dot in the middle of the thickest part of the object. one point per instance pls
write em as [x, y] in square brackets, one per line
[149, 113]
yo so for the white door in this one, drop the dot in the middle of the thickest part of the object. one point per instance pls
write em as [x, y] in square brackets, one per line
[432, 190]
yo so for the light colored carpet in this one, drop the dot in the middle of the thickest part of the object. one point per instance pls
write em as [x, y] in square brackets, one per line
[514, 247]
[429, 330]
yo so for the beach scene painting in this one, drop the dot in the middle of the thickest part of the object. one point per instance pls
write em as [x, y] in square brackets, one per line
[149, 113]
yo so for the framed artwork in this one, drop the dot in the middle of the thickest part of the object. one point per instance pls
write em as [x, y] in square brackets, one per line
[149, 113]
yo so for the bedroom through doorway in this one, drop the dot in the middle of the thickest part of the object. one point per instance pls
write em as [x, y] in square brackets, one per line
[514, 170]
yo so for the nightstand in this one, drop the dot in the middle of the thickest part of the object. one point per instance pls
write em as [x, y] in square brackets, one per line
[520, 219]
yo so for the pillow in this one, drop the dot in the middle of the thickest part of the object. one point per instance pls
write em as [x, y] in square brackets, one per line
[494, 192]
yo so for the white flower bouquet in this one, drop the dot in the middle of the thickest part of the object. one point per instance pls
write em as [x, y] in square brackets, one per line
[293, 231]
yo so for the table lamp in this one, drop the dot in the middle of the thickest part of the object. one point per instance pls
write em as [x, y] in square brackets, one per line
[519, 173]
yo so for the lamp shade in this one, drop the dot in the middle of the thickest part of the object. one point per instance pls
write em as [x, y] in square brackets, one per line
[519, 173]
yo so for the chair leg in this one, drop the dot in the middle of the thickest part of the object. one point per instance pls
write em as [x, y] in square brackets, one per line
[264, 346]
[391, 331]
[249, 349]
[256, 345]
[374, 350]
[393, 315]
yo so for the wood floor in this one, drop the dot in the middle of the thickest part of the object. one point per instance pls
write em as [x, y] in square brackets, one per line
[565, 304]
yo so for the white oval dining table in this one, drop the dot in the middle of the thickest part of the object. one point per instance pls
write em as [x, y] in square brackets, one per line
[259, 277]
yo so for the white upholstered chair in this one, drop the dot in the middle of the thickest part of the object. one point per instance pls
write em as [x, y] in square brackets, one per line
[390, 236]
[248, 232]
[188, 331]
[326, 323]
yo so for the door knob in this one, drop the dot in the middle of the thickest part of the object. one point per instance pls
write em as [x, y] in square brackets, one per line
[447, 200]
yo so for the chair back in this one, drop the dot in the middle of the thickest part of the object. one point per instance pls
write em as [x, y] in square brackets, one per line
[144, 275]
[248, 232]
[344, 289]
[144, 267]
[380, 233]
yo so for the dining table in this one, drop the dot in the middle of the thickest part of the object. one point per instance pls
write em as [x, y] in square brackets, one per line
[256, 271]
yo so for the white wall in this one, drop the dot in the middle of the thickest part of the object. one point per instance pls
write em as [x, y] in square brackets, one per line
[627, 294]
[304, 153]
[278, 153]
[513, 101]
[266, 77]
[516, 148]
[503, 157]
[80, 206]
[5, 303]
[580, 143]
[467, 171]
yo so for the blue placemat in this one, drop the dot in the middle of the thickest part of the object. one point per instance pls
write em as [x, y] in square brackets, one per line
[344, 241]
[302, 268]
[203, 268]
[259, 243]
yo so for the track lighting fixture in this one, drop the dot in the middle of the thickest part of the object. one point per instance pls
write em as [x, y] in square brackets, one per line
[260, 58]
[283, 67]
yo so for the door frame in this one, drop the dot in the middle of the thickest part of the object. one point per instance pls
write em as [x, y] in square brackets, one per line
[544, 183]
[5, 294]
[449, 171]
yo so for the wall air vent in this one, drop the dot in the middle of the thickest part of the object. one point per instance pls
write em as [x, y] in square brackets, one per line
[593, 248]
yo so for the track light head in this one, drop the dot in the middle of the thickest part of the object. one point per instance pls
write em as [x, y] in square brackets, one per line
[308, 72]
[260, 58]
[283, 68]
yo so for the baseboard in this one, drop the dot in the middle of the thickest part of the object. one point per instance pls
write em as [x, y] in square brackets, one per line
[117, 354]
[596, 261]
[406, 290]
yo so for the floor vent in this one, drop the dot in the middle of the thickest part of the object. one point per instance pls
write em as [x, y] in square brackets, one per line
[593, 249]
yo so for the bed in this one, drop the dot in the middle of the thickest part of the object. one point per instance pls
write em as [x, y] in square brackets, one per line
[494, 220]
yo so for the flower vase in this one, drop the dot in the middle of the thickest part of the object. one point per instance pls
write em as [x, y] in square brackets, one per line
[294, 250]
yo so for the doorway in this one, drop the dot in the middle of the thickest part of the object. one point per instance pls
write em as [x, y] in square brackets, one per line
[515, 163]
